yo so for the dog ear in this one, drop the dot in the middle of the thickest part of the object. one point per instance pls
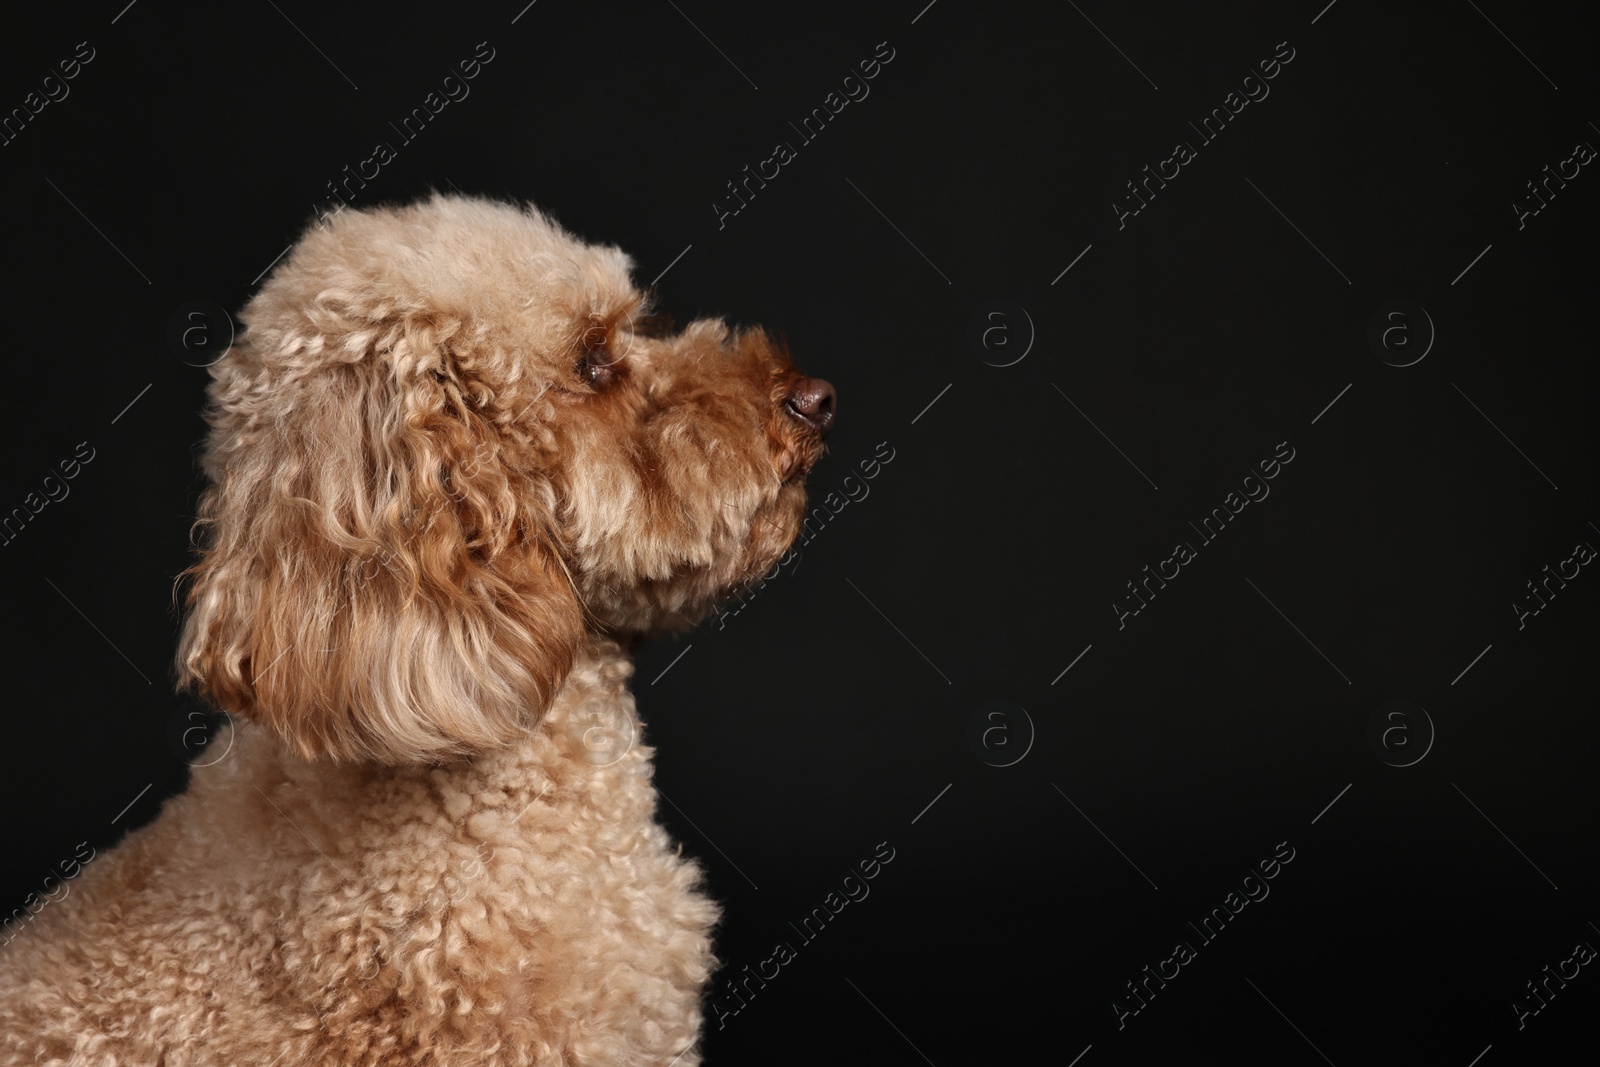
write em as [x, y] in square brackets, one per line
[375, 581]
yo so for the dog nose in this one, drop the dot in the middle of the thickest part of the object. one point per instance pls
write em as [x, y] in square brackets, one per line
[811, 400]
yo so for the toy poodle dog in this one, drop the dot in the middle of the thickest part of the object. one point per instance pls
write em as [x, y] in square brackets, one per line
[456, 472]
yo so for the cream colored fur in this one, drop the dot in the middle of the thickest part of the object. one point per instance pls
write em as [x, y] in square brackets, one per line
[455, 473]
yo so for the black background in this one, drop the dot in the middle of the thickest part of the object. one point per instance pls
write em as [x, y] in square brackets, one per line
[794, 737]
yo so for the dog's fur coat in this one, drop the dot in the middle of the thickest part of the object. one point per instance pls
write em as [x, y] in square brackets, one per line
[455, 474]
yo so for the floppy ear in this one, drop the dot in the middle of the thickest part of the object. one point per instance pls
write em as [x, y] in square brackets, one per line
[375, 582]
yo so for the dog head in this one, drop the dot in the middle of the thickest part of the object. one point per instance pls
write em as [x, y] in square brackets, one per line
[450, 442]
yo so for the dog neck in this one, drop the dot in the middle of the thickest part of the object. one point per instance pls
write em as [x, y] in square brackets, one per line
[585, 753]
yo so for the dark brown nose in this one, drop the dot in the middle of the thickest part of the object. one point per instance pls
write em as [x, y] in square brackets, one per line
[811, 400]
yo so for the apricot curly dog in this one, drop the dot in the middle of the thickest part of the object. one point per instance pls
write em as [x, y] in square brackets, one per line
[456, 473]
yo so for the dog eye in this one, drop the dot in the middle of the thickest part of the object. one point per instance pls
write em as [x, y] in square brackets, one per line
[597, 368]
[597, 363]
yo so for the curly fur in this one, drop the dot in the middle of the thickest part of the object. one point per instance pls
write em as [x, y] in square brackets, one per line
[455, 472]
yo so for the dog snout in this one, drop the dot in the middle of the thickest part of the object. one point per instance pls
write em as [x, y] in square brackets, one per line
[812, 401]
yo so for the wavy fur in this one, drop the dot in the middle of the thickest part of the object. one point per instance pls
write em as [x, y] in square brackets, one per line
[454, 472]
